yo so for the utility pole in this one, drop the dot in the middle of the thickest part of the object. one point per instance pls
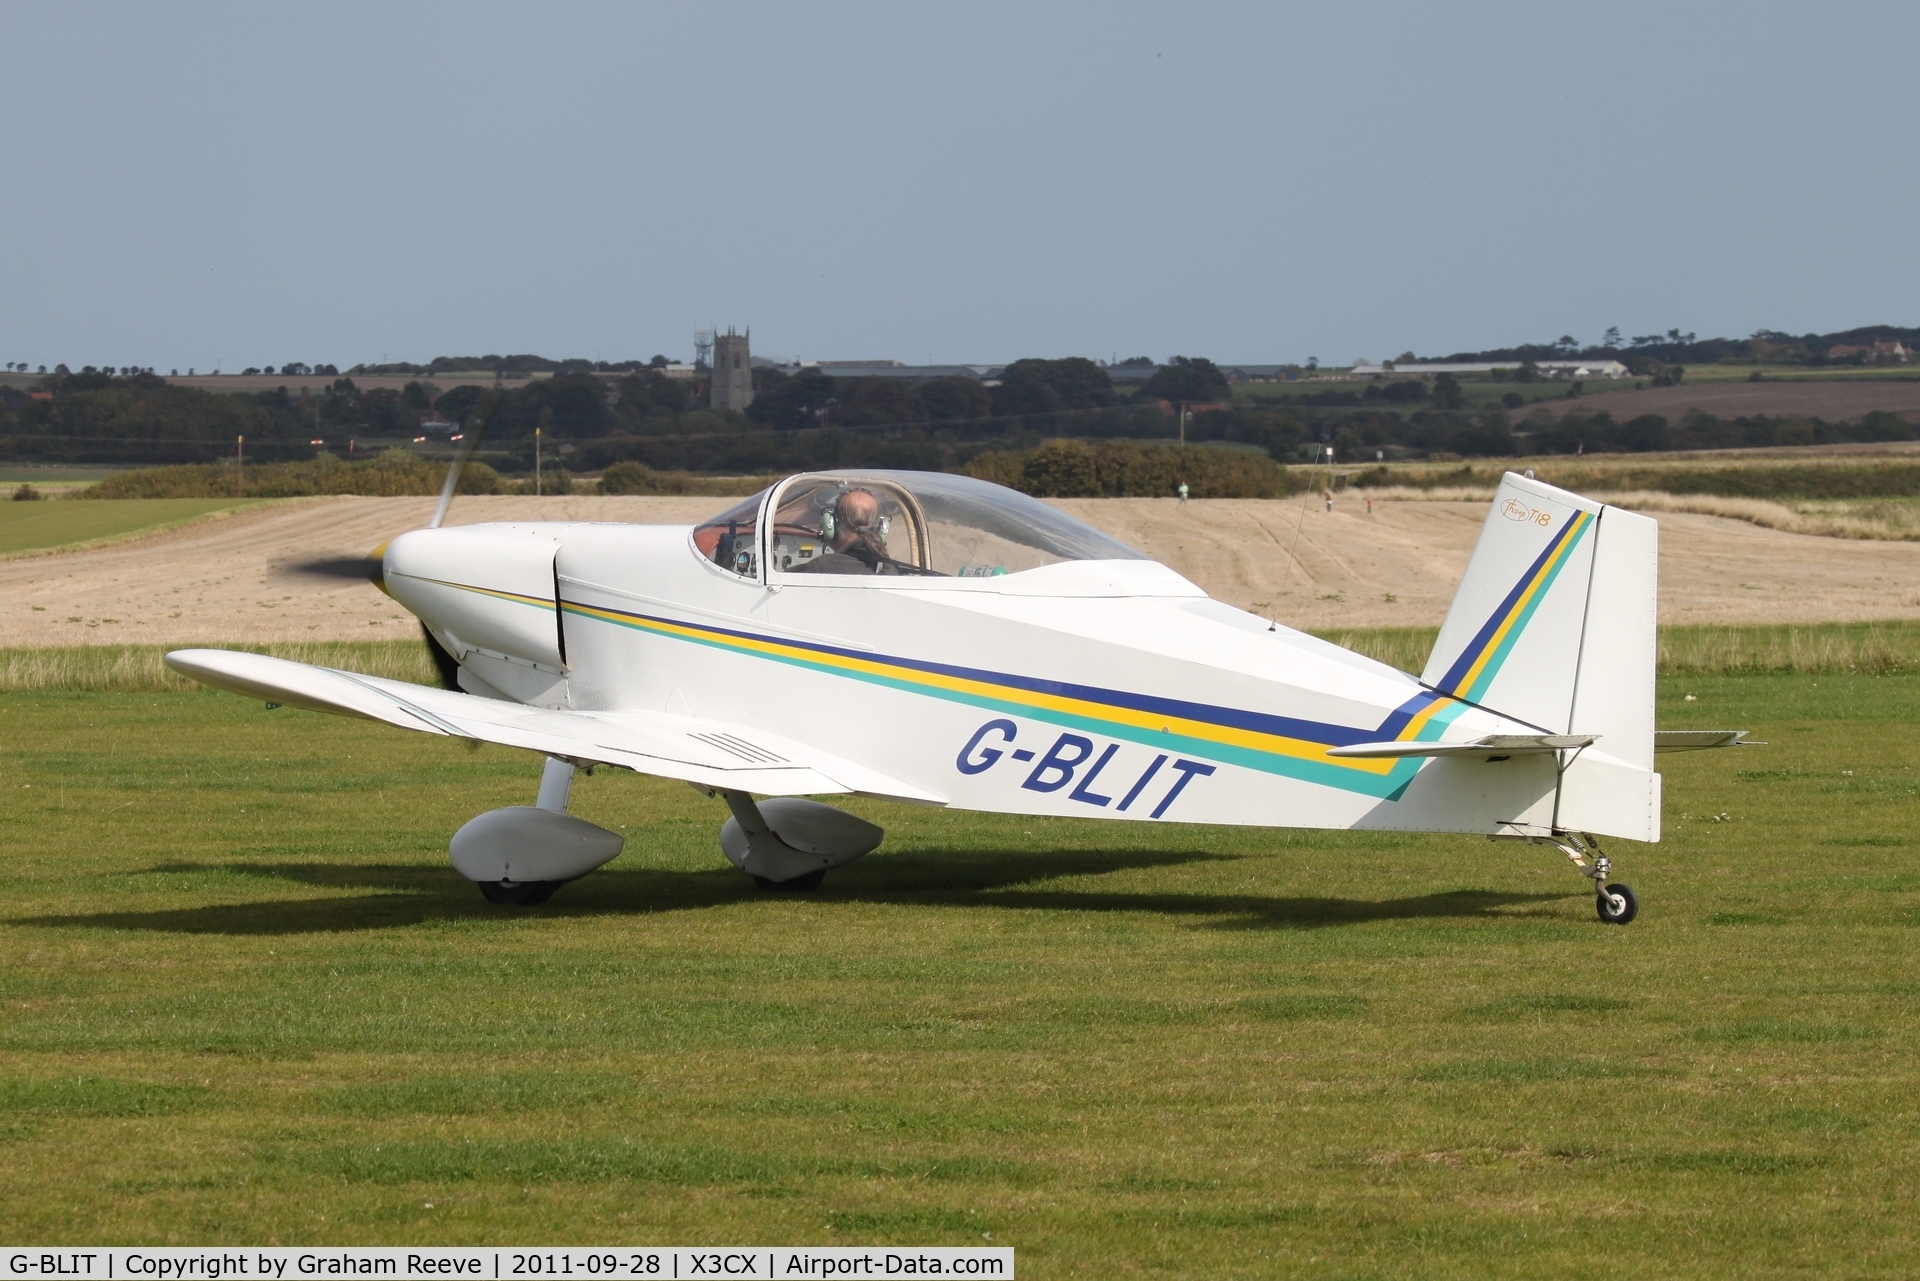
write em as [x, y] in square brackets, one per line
[1183, 424]
[239, 474]
[536, 462]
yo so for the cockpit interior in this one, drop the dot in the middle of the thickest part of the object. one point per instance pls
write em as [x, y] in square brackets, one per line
[894, 523]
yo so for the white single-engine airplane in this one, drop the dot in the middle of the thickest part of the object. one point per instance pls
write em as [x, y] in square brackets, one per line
[941, 640]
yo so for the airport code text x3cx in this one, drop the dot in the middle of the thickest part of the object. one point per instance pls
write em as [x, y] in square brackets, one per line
[940, 640]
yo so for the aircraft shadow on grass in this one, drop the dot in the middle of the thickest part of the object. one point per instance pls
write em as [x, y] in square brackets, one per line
[410, 894]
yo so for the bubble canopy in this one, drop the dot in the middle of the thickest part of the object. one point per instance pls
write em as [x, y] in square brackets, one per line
[878, 523]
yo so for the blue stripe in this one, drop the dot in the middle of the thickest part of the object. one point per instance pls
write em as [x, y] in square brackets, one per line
[1206, 713]
[1463, 664]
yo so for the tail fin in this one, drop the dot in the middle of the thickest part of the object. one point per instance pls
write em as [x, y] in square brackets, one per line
[1553, 626]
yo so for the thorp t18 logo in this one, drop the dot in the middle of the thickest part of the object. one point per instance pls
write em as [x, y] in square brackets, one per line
[1517, 510]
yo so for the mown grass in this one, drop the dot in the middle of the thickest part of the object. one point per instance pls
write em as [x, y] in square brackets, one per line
[45, 526]
[247, 1000]
[1886, 519]
[1810, 649]
[130, 668]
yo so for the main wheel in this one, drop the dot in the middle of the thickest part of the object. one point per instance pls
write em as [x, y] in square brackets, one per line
[518, 893]
[1616, 904]
[798, 885]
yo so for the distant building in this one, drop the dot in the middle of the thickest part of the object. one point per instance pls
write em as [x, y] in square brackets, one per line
[1887, 352]
[889, 369]
[1551, 368]
[1131, 373]
[894, 369]
[732, 381]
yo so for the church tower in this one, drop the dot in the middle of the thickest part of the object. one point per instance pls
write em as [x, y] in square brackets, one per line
[731, 385]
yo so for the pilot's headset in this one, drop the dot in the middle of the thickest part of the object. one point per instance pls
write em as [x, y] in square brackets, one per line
[830, 523]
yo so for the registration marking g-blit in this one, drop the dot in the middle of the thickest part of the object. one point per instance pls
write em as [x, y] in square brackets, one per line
[1061, 762]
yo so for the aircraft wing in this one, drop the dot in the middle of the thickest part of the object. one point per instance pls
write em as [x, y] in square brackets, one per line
[1493, 745]
[707, 753]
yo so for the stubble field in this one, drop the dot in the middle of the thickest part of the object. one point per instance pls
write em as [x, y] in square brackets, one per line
[295, 570]
[246, 1000]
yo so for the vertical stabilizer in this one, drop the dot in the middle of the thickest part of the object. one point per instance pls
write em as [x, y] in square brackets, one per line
[1553, 625]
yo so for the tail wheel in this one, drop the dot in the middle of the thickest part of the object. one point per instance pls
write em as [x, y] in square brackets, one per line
[518, 893]
[1616, 904]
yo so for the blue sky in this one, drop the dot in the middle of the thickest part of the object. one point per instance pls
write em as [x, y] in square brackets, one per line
[248, 184]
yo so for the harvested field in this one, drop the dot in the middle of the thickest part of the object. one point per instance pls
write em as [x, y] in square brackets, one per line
[295, 571]
[1832, 399]
[1398, 567]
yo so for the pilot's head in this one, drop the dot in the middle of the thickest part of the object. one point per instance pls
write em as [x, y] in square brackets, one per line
[856, 515]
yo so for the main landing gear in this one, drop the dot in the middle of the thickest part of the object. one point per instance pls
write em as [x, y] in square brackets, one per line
[798, 885]
[1616, 904]
[520, 855]
[518, 893]
[788, 845]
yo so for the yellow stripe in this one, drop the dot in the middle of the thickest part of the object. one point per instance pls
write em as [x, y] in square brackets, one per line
[1411, 730]
[1254, 740]
[541, 601]
[1519, 606]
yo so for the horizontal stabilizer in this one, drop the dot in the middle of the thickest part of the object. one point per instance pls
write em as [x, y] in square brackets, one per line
[1695, 740]
[714, 754]
[1493, 745]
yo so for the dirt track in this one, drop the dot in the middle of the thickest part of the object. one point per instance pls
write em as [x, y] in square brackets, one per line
[287, 572]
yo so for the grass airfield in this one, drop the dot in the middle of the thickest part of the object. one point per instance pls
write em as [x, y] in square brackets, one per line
[49, 526]
[245, 999]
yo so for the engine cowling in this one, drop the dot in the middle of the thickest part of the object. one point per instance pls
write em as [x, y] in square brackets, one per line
[489, 586]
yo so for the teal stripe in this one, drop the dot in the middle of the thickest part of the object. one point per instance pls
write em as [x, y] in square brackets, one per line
[1492, 669]
[1324, 773]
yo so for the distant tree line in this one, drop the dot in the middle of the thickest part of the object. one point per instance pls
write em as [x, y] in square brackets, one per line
[1646, 354]
[507, 365]
[589, 419]
[102, 418]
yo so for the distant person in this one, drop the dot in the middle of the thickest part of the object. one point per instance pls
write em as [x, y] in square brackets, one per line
[1369, 504]
[855, 547]
[1183, 491]
[1329, 500]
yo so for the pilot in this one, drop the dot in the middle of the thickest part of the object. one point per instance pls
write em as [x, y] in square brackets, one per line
[856, 547]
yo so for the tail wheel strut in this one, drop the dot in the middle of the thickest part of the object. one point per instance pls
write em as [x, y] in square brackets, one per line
[1615, 904]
